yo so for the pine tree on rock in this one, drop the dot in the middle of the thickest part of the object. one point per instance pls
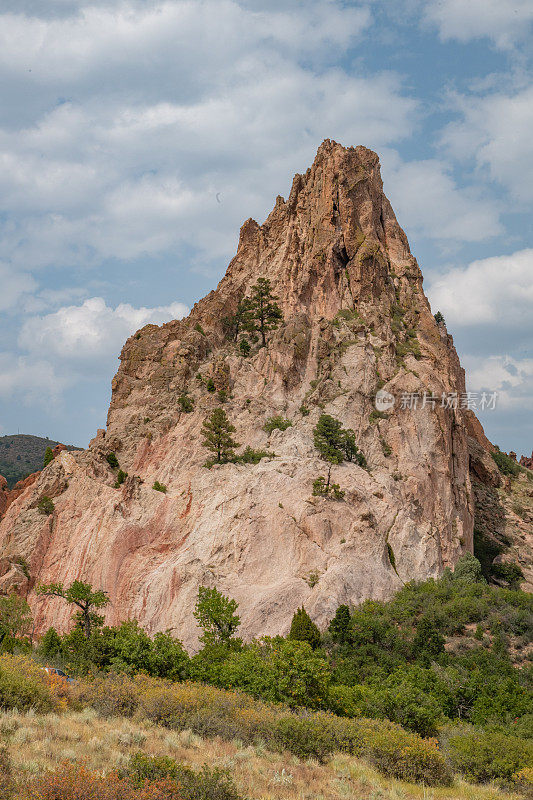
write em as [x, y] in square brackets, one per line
[48, 456]
[264, 310]
[217, 430]
[241, 321]
[335, 444]
[303, 629]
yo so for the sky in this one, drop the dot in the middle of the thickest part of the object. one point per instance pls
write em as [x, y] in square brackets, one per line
[137, 135]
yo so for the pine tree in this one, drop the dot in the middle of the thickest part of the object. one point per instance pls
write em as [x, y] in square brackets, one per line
[335, 444]
[339, 627]
[217, 430]
[265, 312]
[303, 629]
[50, 644]
[242, 320]
[48, 456]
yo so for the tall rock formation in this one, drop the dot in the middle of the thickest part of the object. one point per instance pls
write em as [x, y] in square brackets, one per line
[355, 320]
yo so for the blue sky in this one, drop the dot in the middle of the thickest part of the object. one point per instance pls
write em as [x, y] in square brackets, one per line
[121, 121]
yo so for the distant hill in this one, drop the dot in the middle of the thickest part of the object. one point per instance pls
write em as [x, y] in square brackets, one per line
[22, 454]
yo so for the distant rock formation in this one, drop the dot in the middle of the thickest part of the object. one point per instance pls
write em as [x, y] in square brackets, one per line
[527, 462]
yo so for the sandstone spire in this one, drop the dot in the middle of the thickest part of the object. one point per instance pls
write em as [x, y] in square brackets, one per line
[355, 320]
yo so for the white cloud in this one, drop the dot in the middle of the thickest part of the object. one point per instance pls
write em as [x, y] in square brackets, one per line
[179, 33]
[496, 132]
[112, 181]
[30, 379]
[428, 201]
[14, 286]
[491, 290]
[511, 378]
[505, 22]
[92, 332]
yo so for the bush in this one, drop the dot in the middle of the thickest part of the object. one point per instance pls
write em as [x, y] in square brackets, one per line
[485, 756]
[112, 460]
[46, 505]
[244, 347]
[186, 403]
[72, 782]
[159, 487]
[210, 385]
[305, 738]
[251, 456]
[277, 423]
[505, 463]
[121, 477]
[24, 685]
[206, 784]
[321, 489]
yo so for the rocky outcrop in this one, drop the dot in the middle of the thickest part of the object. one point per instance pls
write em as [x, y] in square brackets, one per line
[355, 321]
[527, 462]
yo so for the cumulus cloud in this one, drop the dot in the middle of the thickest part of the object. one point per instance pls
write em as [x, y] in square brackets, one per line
[511, 378]
[113, 181]
[505, 22]
[92, 332]
[30, 379]
[495, 131]
[491, 290]
[428, 201]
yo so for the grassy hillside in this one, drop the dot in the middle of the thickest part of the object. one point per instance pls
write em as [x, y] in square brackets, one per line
[23, 454]
[140, 738]
[37, 744]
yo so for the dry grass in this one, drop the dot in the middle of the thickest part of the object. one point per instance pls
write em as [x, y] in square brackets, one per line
[42, 742]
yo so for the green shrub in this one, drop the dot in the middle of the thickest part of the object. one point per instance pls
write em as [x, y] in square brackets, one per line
[159, 487]
[439, 318]
[198, 328]
[112, 460]
[23, 685]
[48, 456]
[304, 411]
[251, 456]
[484, 756]
[210, 385]
[121, 477]
[305, 738]
[321, 489]
[277, 423]
[244, 347]
[186, 403]
[505, 463]
[46, 505]
[206, 784]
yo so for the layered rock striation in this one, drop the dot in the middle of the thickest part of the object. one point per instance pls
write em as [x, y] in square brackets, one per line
[355, 321]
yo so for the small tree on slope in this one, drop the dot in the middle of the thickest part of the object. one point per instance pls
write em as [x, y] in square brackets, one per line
[217, 430]
[264, 310]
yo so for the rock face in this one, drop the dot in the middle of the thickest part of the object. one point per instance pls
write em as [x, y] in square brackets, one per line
[527, 462]
[355, 320]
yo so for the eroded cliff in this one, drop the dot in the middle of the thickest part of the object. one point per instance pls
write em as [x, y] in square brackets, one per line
[355, 320]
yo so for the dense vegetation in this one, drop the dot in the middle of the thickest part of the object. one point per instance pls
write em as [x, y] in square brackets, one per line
[446, 658]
